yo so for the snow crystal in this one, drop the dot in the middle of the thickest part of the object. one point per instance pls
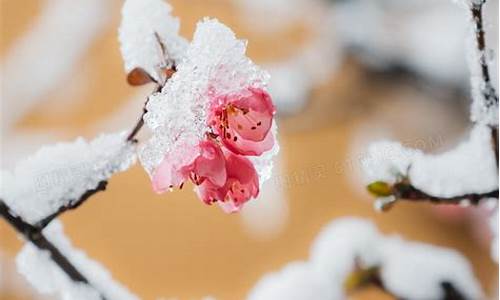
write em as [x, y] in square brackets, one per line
[214, 64]
[387, 161]
[48, 278]
[416, 271]
[408, 270]
[469, 168]
[141, 19]
[297, 281]
[57, 175]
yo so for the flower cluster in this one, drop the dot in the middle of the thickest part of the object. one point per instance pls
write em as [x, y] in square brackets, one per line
[239, 126]
[212, 120]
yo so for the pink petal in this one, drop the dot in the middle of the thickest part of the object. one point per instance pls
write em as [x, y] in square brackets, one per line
[210, 164]
[248, 147]
[208, 192]
[166, 176]
[252, 125]
[253, 115]
[229, 207]
[171, 172]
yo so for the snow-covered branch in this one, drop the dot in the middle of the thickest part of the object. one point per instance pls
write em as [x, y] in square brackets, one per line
[351, 253]
[215, 104]
[468, 172]
[464, 175]
[58, 178]
[484, 96]
[48, 277]
[35, 236]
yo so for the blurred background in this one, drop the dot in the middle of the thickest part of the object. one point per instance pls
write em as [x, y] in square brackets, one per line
[345, 73]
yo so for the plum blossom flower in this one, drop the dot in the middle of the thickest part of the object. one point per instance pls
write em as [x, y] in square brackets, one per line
[243, 121]
[220, 176]
[204, 162]
[242, 184]
[212, 122]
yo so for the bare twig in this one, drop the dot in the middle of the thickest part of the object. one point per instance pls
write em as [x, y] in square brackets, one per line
[101, 186]
[488, 91]
[35, 236]
[405, 191]
[140, 121]
[363, 277]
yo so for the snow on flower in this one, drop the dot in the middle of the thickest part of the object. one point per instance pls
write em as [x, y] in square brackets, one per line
[38, 268]
[143, 23]
[408, 270]
[212, 122]
[56, 176]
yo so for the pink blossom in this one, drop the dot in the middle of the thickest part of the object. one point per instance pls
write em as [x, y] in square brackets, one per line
[241, 185]
[202, 163]
[243, 121]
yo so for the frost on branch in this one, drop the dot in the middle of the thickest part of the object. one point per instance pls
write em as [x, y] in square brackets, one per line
[484, 107]
[48, 278]
[469, 168]
[56, 176]
[215, 64]
[350, 252]
[143, 22]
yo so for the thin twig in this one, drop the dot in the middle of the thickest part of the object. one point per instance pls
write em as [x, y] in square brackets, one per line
[140, 122]
[363, 277]
[405, 191]
[488, 91]
[101, 186]
[36, 237]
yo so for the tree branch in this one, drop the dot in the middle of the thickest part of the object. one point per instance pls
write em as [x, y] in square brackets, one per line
[363, 277]
[405, 191]
[140, 121]
[35, 236]
[488, 91]
[101, 186]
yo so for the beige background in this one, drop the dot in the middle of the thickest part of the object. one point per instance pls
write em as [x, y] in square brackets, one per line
[171, 245]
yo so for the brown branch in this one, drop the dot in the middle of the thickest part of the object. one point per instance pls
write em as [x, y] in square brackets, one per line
[405, 191]
[363, 277]
[35, 236]
[101, 186]
[140, 121]
[488, 91]
[494, 141]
